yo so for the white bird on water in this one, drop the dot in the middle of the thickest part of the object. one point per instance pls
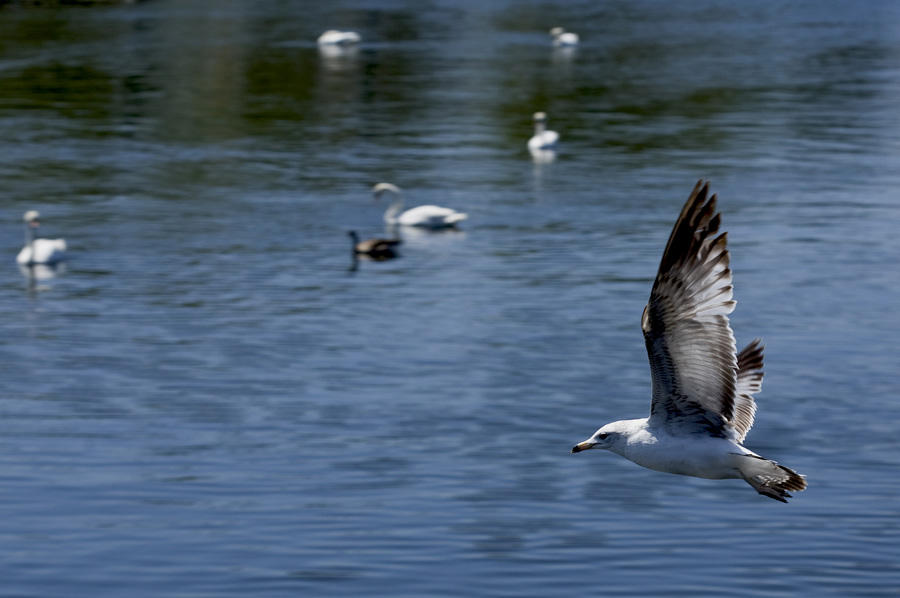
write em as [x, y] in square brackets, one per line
[563, 38]
[39, 251]
[422, 216]
[333, 37]
[543, 139]
[702, 397]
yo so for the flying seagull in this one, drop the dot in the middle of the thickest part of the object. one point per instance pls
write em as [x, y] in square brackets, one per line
[702, 398]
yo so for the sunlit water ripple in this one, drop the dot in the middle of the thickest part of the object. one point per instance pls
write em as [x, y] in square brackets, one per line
[211, 400]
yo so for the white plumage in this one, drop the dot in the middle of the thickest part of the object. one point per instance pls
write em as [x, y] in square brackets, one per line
[333, 37]
[39, 251]
[702, 397]
[562, 38]
[543, 139]
[422, 216]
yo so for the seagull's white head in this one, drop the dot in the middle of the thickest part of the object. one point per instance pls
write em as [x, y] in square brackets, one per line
[32, 218]
[610, 437]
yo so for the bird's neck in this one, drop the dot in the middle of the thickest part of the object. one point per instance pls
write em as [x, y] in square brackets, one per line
[395, 208]
[29, 234]
[540, 127]
[637, 436]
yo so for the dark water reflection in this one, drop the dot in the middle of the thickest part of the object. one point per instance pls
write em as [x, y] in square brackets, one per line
[209, 402]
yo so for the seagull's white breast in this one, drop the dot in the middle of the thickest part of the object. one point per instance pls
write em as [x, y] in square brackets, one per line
[699, 456]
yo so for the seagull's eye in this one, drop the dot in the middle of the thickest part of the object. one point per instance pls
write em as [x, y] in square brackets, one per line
[602, 435]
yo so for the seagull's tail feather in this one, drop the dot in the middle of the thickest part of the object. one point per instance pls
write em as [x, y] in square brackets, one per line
[749, 382]
[769, 478]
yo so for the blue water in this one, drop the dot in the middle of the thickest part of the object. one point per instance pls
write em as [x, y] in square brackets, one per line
[210, 400]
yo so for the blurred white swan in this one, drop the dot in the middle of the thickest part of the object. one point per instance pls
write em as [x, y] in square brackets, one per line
[333, 37]
[424, 216]
[561, 37]
[543, 139]
[39, 251]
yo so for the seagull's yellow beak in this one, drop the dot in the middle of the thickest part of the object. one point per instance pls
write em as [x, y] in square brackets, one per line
[582, 446]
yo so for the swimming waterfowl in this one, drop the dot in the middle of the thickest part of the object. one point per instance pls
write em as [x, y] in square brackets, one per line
[427, 216]
[39, 251]
[333, 37]
[562, 38]
[374, 248]
[543, 139]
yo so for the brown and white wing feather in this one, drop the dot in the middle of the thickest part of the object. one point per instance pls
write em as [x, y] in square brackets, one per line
[685, 323]
[749, 382]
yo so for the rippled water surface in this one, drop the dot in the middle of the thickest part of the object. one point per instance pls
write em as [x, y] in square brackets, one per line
[213, 400]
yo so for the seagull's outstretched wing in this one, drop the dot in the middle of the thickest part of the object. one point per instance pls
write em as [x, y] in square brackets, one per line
[691, 346]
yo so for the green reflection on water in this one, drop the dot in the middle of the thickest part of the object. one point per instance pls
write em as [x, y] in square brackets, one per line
[76, 91]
